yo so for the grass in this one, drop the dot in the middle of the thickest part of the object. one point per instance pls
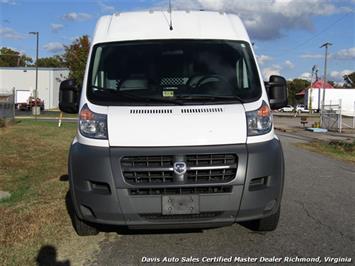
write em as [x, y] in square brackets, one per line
[33, 156]
[337, 149]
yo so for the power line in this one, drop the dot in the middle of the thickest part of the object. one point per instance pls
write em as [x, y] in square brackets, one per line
[314, 36]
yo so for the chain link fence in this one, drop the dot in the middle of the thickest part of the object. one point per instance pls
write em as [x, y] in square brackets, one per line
[7, 105]
[332, 117]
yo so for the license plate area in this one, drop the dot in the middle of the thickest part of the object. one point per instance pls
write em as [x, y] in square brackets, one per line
[180, 204]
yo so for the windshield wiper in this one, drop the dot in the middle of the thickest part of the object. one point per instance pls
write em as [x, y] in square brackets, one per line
[209, 97]
[111, 92]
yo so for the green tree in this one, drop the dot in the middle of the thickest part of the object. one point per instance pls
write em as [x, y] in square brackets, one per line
[295, 86]
[54, 61]
[333, 83]
[349, 80]
[75, 57]
[12, 58]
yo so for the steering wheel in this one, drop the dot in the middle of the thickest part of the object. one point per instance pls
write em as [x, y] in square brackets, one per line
[212, 78]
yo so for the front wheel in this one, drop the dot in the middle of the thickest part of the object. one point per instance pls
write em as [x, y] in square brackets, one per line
[265, 224]
[81, 228]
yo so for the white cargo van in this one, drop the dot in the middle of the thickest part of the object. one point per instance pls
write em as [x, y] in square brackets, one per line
[175, 127]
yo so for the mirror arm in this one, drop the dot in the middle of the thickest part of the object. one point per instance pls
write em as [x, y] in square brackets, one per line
[269, 84]
[267, 88]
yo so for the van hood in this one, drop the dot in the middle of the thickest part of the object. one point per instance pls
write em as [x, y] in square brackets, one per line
[176, 126]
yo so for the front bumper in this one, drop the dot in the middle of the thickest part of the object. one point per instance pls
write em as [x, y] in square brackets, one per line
[101, 195]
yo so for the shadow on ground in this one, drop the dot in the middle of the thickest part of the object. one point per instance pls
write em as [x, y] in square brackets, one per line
[47, 256]
[64, 178]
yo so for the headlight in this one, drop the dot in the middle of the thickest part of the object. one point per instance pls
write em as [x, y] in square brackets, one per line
[259, 121]
[92, 125]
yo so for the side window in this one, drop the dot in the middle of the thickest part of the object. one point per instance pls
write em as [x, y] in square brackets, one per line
[98, 77]
[242, 74]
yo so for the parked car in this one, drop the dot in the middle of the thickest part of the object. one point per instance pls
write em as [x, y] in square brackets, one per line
[287, 108]
[300, 108]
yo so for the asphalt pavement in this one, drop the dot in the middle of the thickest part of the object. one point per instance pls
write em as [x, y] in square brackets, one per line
[317, 220]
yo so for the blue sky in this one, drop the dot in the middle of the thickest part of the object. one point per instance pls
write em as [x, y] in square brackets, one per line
[287, 33]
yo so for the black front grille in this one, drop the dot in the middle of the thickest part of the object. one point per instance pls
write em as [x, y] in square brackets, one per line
[147, 161]
[201, 169]
[211, 159]
[180, 190]
[210, 176]
[159, 216]
[148, 177]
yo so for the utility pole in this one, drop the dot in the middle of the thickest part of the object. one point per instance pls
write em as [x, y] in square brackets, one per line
[310, 102]
[324, 77]
[36, 88]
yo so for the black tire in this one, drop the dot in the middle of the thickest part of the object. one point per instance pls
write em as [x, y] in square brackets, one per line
[265, 224]
[82, 228]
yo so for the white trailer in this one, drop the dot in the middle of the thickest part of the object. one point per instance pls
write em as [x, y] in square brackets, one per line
[21, 96]
[343, 97]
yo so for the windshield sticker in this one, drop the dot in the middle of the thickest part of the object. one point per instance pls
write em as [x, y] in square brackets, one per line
[168, 93]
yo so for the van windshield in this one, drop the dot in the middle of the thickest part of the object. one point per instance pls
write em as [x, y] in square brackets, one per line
[172, 72]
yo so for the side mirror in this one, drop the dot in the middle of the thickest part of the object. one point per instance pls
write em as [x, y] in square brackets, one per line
[277, 92]
[69, 97]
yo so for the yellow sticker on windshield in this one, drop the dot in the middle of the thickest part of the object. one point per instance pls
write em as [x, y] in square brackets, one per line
[168, 93]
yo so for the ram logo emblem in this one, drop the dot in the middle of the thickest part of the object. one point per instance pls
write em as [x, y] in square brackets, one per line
[180, 168]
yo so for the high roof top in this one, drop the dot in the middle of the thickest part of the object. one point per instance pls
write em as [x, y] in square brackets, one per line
[153, 25]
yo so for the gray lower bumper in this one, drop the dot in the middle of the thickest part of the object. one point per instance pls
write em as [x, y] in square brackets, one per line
[101, 195]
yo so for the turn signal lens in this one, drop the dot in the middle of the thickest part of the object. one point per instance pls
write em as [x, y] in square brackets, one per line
[264, 111]
[86, 114]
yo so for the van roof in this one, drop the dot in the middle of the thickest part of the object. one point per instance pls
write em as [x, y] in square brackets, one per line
[154, 25]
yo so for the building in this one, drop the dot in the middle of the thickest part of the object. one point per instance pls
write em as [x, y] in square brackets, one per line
[24, 79]
[316, 85]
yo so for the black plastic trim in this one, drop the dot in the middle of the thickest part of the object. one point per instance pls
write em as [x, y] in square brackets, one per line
[102, 165]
